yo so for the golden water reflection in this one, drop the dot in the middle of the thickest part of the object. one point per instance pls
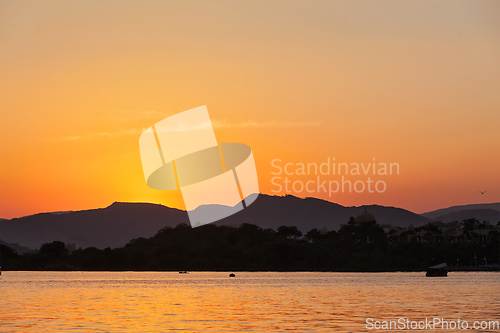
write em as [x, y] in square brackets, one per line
[250, 302]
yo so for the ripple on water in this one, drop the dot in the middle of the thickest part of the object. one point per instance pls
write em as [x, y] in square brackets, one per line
[255, 302]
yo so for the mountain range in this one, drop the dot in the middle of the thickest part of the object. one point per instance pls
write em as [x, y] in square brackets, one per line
[118, 223]
[490, 215]
[439, 213]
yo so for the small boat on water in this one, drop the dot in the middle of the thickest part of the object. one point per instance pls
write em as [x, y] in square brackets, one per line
[438, 270]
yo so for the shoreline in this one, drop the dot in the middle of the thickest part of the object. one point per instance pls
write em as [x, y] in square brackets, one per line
[450, 269]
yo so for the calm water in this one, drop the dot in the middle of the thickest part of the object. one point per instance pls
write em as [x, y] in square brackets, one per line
[251, 302]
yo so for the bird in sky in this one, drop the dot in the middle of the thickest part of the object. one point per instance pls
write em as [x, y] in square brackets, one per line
[482, 192]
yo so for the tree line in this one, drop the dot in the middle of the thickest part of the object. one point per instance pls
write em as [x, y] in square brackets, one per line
[354, 247]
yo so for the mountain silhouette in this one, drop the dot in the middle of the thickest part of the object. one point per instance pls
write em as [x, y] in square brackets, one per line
[490, 215]
[117, 224]
[112, 226]
[454, 209]
[306, 214]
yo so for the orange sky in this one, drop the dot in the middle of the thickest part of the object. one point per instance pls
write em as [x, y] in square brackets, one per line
[411, 82]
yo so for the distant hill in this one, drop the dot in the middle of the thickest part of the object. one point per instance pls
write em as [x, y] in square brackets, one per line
[490, 215]
[274, 211]
[454, 209]
[18, 248]
[112, 226]
[117, 224]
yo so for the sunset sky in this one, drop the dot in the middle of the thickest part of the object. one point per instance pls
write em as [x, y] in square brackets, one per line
[410, 82]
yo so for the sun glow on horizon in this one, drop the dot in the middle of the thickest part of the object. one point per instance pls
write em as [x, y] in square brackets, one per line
[412, 83]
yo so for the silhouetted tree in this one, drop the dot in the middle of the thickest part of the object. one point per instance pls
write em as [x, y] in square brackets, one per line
[7, 253]
[313, 235]
[55, 249]
[469, 225]
[431, 231]
[367, 233]
[289, 231]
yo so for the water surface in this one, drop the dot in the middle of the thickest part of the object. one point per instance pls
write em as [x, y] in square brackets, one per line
[250, 302]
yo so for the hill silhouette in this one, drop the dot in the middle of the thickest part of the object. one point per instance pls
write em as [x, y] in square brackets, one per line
[117, 224]
[490, 215]
[112, 226]
[455, 209]
[308, 213]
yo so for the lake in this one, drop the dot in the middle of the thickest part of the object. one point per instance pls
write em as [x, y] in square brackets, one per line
[249, 302]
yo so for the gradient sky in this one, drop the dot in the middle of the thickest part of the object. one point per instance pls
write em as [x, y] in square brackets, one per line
[411, 82]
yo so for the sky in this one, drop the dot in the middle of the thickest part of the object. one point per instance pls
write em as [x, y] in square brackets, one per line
[409, 82]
